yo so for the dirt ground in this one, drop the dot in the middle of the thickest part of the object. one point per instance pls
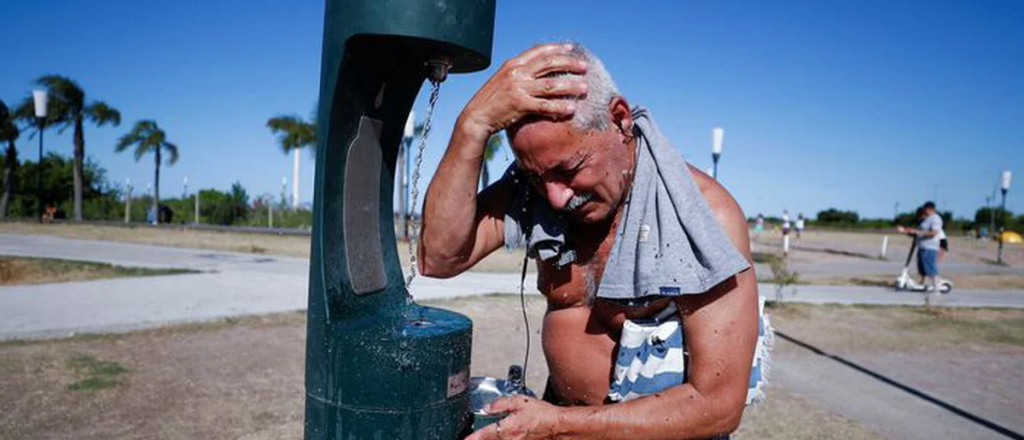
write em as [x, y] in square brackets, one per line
[242, 378]
[17, 270]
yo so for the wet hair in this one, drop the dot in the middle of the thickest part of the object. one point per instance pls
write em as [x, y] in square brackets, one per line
[928, 205]
[592, 109]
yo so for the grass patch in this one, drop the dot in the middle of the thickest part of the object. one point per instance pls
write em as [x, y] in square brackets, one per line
[99, 374]
[902, 328]
[297, 317]
[25, 270]
[997, 330]
[765, 257]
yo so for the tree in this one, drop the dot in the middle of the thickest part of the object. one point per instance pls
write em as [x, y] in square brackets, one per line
[58, 187]
[490, 150]
[833, 216]
[293, 134]
[68, 108]
[147, 137]
[8, 133]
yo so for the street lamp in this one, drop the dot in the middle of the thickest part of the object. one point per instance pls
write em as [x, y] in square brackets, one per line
[716, 148]
[284, 192]
[1004, 188]
[40, 99]
[128, 201]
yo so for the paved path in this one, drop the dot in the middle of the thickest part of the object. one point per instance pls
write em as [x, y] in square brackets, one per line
[231, 284]
[888, 296]
[234, 284]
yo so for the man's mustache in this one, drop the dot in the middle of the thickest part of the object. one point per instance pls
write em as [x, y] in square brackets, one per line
[578, 200]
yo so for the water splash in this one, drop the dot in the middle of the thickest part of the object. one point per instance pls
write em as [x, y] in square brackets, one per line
[415, 189]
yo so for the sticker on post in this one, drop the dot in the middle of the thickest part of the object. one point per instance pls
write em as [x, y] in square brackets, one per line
[458, 383]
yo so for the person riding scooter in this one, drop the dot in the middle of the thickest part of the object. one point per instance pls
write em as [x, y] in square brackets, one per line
[927, 236]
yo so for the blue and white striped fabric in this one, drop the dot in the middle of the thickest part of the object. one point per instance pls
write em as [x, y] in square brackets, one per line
[651, 357]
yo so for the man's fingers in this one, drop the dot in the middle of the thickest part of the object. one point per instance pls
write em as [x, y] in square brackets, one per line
[501, 405]
[552, 108]
[561, 86]
[541, 51]
[557, 63]
[489, 432]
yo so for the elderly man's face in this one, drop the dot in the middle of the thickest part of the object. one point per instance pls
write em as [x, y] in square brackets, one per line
[584, 173]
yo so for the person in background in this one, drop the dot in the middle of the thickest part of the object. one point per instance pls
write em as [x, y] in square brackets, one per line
[799, 224]
[927, 236]
[786, 225]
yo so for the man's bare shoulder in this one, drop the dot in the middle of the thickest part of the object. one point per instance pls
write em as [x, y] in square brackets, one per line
[721, 202]
[727, 211]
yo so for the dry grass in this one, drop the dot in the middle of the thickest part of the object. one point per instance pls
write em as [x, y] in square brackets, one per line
[964, 249]
[296, 246]
[19, 270]
[241, 378]
[288, 245]
[904, 329]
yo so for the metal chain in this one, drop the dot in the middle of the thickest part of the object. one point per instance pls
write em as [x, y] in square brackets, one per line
[414, 237]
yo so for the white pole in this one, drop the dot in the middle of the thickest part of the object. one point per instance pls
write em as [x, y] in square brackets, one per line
[270, 213]
[128, 203]
[284, 192]
[197, 207]
[785, 244]
[295, 179]
[885, 245]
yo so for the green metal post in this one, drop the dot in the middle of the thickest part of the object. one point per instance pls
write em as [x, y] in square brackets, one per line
[379, 366]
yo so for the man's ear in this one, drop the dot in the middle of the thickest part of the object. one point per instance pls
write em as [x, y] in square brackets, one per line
[621, 116]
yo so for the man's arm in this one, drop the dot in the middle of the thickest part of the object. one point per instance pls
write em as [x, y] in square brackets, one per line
[721, 332]
[916, 231]
[459, 227]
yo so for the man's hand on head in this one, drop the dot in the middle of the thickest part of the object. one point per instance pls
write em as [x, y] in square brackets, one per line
[523, 86]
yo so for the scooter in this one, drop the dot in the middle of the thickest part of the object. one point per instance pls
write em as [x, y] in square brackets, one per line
[906, 282]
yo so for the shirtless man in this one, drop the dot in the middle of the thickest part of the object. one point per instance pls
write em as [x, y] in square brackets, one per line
[534, 97]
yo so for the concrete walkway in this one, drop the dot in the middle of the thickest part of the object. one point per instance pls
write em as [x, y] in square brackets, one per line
[235, 284]
[231, 284]
[884, 296]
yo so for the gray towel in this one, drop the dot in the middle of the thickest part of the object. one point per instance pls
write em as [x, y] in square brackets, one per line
[668, 242]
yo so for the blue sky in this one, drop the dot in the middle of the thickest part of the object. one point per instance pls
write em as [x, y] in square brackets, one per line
[852, 104]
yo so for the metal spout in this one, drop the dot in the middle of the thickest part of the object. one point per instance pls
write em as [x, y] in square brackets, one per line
[437, 69]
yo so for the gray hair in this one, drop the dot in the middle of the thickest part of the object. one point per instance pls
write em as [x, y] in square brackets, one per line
[592, 110]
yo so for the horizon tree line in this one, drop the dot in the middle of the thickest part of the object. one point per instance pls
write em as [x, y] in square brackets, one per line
[68, 107]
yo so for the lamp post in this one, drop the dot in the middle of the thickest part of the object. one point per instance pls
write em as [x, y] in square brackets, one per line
[717, 134]
[128, 201]
[151, 217]
[1004, 188]
[40, 99]
[284, 192]
[184, 193]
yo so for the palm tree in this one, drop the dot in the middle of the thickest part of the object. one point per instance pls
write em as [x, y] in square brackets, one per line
[294, 134]
[68, 108]
[493, 146]
[147, 137]
[8, 133]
